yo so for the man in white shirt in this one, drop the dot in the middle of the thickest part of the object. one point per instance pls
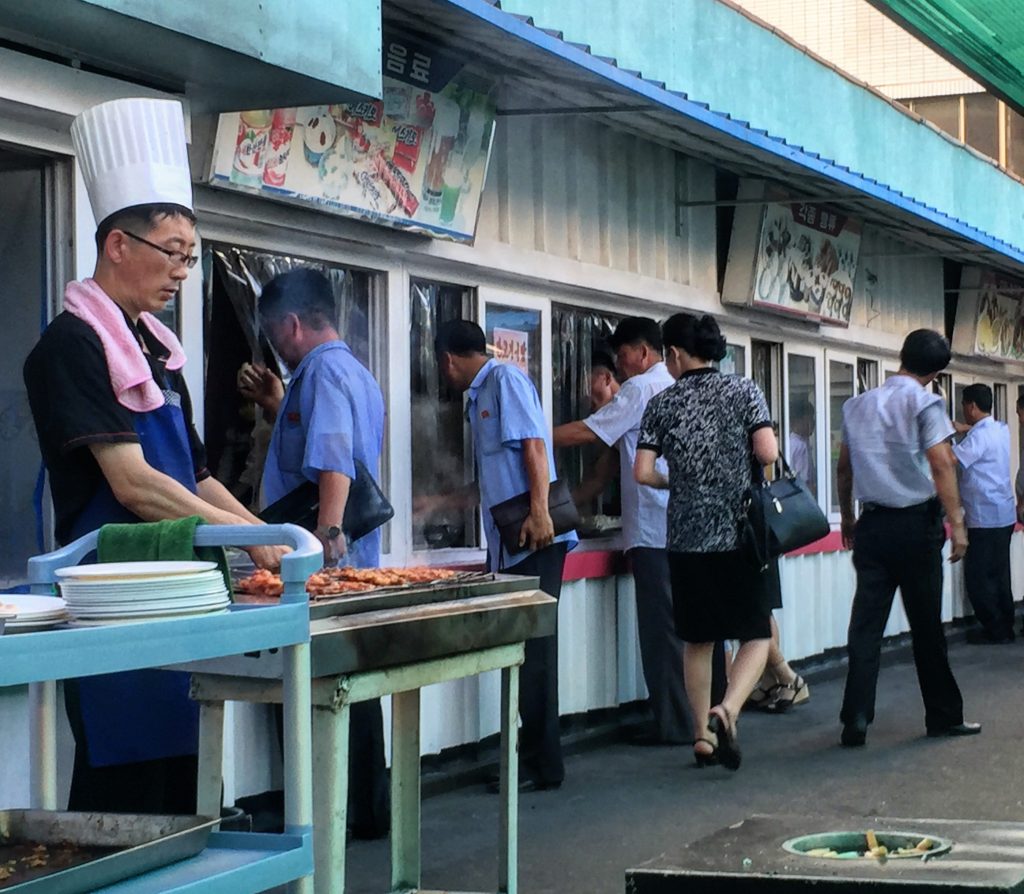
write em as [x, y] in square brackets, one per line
[637, 346]
[990, 509]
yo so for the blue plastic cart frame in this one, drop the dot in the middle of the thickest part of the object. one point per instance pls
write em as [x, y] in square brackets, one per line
[233, 863]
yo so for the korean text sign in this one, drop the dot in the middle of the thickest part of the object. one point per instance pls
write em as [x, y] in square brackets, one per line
[807, 261]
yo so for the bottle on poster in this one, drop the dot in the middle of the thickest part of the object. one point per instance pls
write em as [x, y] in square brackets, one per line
[282, 126]
[251, 147]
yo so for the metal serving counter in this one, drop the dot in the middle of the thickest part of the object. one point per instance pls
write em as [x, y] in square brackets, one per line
[390, 642]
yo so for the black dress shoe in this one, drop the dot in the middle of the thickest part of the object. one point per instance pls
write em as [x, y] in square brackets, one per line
[854, 734]
[958, 729]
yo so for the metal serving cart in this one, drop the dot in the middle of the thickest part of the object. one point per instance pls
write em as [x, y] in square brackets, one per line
[232, 863]
[391, 642]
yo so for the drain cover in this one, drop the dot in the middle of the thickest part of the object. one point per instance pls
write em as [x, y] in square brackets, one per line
[868, 845]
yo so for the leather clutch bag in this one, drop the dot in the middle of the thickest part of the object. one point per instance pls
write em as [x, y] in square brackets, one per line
[366, 509]
[510, 514]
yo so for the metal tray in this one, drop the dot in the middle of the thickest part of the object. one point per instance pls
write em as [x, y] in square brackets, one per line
[115, 846]
[382, 598]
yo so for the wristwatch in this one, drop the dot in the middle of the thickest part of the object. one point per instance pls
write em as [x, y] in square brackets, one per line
[328, 532]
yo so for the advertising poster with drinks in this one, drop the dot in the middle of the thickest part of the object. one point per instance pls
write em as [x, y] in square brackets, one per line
[416, 160]
[807, 261]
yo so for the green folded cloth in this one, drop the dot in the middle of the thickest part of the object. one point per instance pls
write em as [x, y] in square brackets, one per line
[163, 541]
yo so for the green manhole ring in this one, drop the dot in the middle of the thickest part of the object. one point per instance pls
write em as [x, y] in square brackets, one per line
[853, 845]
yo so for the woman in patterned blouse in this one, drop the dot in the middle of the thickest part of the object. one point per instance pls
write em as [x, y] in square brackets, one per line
[708, 426]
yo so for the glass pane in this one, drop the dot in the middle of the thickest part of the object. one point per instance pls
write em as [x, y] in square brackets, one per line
[801, 425]
[765, 358]
[867, 375]
[22, 253]
[1015, 142]
[442, 461]
[513, 336]
[999, 408]
[943, 386]
[735, 360]
[237, 437]
[942, 111]
[958, 403]
[577, 336]
[840, 390]
[982, 123]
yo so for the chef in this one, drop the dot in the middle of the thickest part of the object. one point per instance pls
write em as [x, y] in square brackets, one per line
[114, 422]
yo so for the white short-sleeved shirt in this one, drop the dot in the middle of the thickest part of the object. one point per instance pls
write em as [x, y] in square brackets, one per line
[985, 490]
[617, 424]
[887, 430]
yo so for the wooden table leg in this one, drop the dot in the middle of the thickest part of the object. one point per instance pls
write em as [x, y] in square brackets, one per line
[405, 790]
[508, 825]
[330, 797]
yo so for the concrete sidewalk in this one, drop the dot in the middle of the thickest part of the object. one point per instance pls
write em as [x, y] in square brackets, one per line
[622, 805]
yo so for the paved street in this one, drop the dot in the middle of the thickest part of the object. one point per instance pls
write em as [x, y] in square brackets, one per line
[622, 805]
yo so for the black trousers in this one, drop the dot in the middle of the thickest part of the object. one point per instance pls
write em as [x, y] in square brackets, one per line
[540, 742]
[661, 650]
[987, 575]
[900, 548]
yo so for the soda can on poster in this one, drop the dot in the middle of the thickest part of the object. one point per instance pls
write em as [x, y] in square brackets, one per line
[282, 126]
[251, 147]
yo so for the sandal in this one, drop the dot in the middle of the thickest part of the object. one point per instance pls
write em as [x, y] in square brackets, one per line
[722, 724]
[761, 697]
[788, 694]
[705, 758]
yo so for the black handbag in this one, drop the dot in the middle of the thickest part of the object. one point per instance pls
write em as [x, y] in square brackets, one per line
[510, 514]
[778, 517]
[365, 510]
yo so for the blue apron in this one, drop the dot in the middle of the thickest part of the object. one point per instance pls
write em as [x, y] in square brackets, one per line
[138, 715]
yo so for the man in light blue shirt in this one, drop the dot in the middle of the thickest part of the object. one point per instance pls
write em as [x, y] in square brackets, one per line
[637, 344]
[330, 417]
[990, 510]
[513, 455]
[896, 460]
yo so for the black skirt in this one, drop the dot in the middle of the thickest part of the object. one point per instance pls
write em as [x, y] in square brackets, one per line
[717, 596]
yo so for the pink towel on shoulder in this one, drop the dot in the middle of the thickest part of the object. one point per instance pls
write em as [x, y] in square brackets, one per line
[130, 375]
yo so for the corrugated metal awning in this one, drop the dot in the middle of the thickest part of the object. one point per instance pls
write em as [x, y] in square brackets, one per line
[555, 76]
[984, 38]
[223, 56]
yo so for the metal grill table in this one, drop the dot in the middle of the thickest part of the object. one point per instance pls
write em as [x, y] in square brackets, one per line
[394, 644]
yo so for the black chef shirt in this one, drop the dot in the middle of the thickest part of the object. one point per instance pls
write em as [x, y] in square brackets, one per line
[73, 405]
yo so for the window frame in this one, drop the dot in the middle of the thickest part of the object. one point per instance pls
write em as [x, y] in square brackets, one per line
[797, 348]
[852, 360]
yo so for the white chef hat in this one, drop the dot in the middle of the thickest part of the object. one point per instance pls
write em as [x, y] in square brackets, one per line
[132, 152]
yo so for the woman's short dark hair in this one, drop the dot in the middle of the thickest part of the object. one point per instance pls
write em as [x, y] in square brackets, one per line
[602, 358]
[924, 352]
[460, 337]
[980, 395]
[139, 219]
[304, 292]
[700, 338]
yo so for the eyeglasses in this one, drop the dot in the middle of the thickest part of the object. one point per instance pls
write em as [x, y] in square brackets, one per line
[178, 258]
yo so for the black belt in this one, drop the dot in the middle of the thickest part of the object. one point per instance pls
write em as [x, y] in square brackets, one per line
[927, 506]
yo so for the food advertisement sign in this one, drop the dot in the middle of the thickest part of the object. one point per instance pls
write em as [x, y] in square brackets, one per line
[807, 261]
[416, 160]
[998, 317]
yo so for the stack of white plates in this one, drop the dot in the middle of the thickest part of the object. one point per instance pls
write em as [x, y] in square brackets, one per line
[129, 592]
[33, 613]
